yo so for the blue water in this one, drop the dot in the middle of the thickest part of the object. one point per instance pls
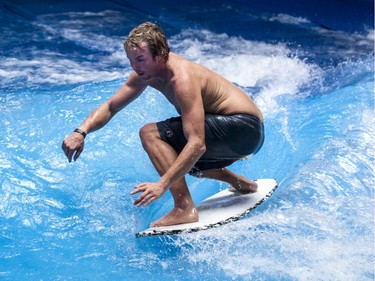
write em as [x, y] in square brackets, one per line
[309, 65]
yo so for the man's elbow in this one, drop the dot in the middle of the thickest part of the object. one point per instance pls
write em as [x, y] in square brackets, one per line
[202, 147]
[197, 146]
[112, 109]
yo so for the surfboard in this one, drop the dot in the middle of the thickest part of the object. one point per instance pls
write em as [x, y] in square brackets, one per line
[223, 207]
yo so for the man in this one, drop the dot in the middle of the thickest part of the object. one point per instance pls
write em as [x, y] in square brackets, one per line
[218, 124]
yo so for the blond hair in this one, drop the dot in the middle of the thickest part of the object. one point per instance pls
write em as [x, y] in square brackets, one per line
[153, 35]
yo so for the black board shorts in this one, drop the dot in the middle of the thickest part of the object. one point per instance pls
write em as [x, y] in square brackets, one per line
[228, 139]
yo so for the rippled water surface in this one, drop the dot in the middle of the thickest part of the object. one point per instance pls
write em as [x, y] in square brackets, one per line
[310, 72]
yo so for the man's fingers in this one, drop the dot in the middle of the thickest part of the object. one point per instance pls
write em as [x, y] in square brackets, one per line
[70, 155]
[143, 201]
[135, 190]
[72, 148]
[65, 149]
[148, 194]
[139, 201]
[78, 153]
[149, 201]
[139, 188]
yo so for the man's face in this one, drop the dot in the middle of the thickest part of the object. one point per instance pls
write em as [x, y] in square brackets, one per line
[142, 61]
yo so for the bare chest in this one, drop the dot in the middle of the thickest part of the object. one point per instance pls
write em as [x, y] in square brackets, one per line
[168, 92]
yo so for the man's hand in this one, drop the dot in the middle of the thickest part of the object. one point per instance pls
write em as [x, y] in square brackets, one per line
[73, 146]
[151, 192]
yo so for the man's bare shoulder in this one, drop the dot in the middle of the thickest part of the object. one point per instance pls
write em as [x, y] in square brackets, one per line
[180, 70]
[187, 71]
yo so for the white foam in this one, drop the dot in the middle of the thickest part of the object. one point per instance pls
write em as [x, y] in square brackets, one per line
[299, 242]
[270, 73]
[370, 35]
[288, 19]
[102, 61]
[54, 71]
[268, 67]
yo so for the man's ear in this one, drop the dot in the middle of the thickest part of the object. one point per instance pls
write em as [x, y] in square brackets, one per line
[159, 58]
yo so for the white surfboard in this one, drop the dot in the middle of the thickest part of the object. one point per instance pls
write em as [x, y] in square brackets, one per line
[223, 207]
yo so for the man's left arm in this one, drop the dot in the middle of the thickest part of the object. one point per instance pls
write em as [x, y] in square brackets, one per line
[189, 99]
[192, 115]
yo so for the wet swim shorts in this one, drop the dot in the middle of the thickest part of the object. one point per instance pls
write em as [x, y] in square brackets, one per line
[228, 139]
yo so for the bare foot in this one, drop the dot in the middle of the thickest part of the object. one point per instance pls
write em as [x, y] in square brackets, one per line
[237, 182]
[244, 186]
[177, 216]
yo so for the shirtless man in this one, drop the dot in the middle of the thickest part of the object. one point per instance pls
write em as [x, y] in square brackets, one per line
[218, 123]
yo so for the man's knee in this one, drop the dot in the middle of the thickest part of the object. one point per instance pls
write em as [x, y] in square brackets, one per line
[148, 132]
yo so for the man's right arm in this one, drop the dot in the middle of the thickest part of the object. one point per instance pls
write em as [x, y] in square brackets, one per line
[74, 143]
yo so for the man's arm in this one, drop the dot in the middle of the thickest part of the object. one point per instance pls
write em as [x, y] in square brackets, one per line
[188, 97]
[189, 100]
[73, 144]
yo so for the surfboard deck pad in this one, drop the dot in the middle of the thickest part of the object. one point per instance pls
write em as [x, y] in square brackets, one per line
[221, 208]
